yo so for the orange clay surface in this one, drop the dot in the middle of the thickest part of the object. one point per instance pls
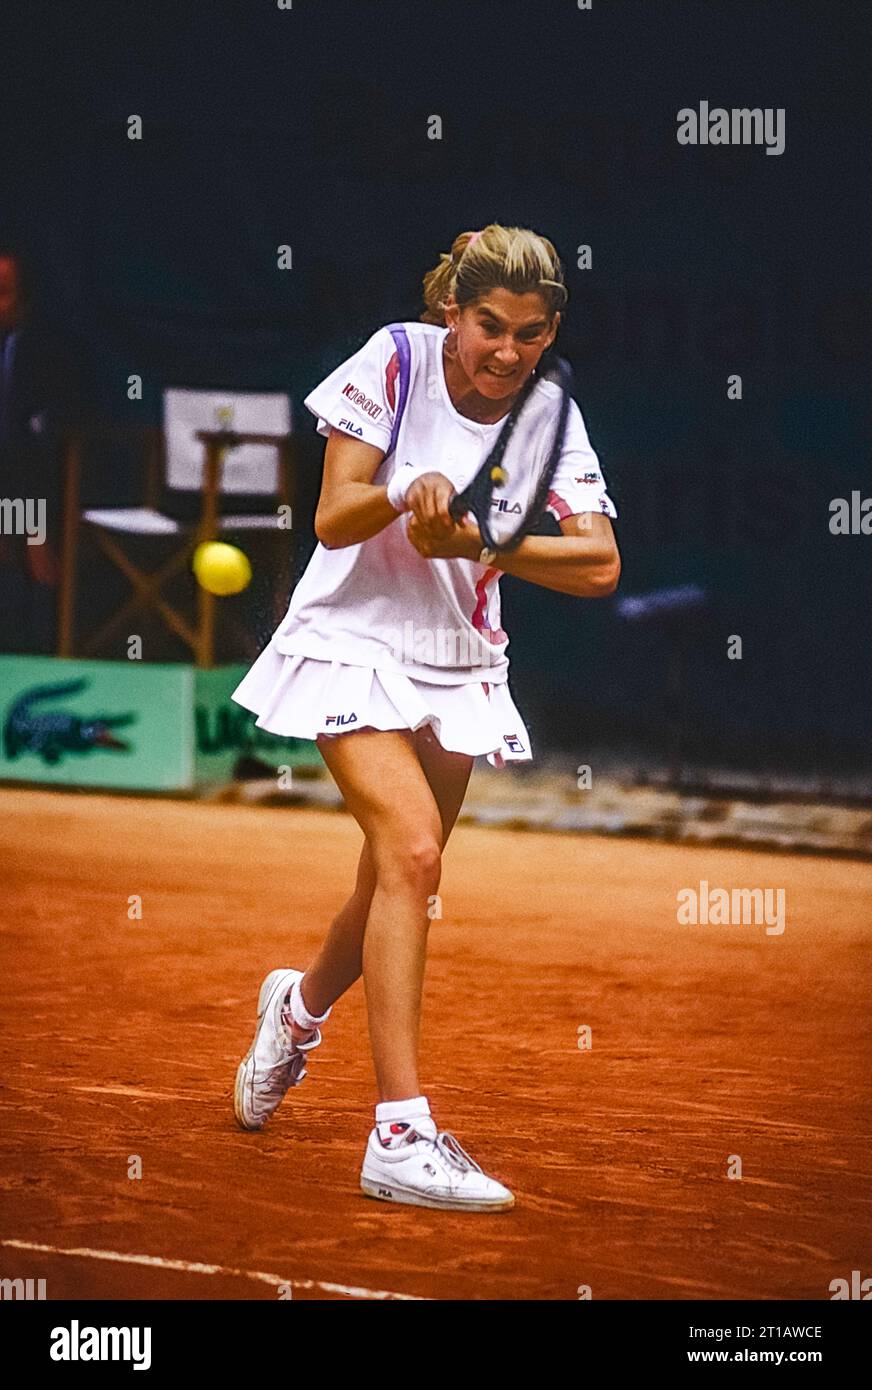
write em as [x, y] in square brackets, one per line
[122, 1038]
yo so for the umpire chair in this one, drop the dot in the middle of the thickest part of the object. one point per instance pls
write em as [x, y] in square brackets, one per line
[214, 445]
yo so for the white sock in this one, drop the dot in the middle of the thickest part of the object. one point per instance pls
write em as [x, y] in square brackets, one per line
[397, 1120]
[294, 1010]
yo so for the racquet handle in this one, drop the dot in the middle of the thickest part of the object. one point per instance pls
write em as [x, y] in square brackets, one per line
[460, 502]
[458, 505]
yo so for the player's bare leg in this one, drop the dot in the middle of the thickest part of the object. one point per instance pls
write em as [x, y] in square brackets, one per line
[339, 962]
[287, 1029]
[408, 1159]
[405, 827]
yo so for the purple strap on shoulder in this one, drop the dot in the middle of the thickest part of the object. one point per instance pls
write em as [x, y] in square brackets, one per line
[401, 338]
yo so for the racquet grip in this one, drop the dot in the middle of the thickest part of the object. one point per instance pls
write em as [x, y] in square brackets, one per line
[458, 505]
[461, 502]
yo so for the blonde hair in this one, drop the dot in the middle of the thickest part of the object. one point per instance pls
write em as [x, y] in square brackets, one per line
[511, 258]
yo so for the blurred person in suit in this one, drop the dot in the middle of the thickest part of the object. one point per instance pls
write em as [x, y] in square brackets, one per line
[42, 397]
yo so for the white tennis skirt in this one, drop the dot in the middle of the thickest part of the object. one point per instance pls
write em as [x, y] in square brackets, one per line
[301, 697]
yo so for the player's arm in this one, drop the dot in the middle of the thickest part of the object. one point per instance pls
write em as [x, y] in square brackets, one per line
[351, 508]
[583, 561]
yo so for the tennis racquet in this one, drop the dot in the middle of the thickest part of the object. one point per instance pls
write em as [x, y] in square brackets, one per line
[518, 440]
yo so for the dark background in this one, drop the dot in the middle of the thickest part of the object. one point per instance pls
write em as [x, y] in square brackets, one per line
[309, 127]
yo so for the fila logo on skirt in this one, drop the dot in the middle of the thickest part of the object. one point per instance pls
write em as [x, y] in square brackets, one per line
[340, 719]
[514, 743]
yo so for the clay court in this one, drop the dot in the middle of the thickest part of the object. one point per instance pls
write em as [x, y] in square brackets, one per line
[122, 1038]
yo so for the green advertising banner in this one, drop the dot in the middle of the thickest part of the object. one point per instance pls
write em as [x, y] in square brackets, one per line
[223, 730]
[129, 725]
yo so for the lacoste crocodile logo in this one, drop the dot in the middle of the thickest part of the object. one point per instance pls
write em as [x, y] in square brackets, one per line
[51, 733]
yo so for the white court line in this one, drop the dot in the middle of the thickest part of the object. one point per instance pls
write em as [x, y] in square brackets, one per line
[157, 1262]
[139, 1093]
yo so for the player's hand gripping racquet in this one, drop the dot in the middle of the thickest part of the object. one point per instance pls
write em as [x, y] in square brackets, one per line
[516, 442]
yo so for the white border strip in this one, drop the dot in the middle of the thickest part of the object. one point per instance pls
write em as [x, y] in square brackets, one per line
[186, 1267]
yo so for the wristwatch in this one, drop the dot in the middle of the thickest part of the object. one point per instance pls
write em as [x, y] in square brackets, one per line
[487, 556]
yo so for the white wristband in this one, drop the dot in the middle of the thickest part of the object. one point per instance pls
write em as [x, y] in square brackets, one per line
[400, 483]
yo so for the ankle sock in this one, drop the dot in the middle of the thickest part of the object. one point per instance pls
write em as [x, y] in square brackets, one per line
[397, 1121]
[295, 1011]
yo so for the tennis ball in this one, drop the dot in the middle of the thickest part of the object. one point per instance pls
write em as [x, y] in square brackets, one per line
[221, 569]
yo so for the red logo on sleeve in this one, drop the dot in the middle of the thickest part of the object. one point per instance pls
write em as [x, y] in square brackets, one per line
[392, 371]
[361, 400]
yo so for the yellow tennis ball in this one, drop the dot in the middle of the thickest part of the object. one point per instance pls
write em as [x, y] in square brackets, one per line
[221, 569]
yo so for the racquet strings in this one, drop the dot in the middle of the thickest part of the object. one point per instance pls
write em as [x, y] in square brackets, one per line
[533, 431]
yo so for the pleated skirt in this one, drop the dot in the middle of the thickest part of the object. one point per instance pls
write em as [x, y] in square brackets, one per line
[301, 697]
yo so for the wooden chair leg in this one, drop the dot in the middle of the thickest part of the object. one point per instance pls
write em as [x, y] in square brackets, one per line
[138, 599]
[204, 647]
[207, 531]
[147, 590]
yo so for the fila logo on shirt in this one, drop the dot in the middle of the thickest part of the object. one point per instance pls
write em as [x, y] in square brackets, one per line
[340, 719]
[514, 743]
[361, 399]
[352, 429]
[504, 505]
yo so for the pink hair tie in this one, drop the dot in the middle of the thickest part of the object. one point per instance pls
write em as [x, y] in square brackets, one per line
[456, 260]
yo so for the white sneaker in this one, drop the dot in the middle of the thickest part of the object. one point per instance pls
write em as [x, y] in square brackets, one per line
[428, 1168]
[273, 1063]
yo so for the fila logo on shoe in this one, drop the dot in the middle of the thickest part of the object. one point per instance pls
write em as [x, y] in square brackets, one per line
[340, 719]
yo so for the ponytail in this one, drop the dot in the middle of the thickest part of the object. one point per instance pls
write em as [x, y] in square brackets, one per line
[497, 257]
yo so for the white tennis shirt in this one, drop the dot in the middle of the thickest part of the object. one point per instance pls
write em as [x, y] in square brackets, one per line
[381, 604]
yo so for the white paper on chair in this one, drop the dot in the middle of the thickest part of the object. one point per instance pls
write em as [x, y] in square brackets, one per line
[249, 468]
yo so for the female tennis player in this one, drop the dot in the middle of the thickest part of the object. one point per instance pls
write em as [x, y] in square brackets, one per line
[392, 657]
